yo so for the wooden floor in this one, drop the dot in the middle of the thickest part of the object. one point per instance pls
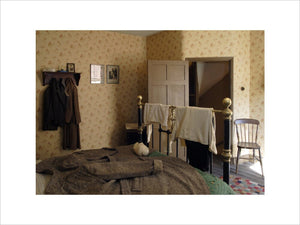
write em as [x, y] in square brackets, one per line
[245, 169]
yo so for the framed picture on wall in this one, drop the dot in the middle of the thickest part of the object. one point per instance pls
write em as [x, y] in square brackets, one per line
[97, 74]
[112, 74]
[71, 67]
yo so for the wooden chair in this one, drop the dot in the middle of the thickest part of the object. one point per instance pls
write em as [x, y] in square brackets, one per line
[247, 130]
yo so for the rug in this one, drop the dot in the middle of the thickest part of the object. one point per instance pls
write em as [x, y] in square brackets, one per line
[246, 187]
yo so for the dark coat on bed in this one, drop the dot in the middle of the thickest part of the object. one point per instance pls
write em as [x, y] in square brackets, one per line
[54, 105]
[71, 135]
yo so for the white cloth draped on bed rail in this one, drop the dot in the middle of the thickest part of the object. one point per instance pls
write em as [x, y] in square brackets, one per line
[155, 113]
[196, 124]
[192, 123]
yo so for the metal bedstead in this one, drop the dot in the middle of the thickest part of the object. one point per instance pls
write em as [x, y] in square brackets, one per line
[226, 154]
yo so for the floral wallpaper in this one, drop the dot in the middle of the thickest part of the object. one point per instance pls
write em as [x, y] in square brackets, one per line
[247, 49]
[257, 82]
[105, 108]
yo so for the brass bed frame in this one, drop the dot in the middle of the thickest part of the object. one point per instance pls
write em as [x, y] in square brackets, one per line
[226, 154]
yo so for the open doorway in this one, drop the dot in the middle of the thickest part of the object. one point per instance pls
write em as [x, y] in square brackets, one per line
[210, 81]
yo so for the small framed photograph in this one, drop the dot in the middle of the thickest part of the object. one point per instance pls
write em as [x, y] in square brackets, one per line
[112, 74]
[71, 67]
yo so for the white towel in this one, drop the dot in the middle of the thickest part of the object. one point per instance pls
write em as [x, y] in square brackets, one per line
[196, 124]
[155, 113]
[180, 113]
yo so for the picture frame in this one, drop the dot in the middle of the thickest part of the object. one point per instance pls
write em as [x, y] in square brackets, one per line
[97, 74]
[112, 74]
[71, 67]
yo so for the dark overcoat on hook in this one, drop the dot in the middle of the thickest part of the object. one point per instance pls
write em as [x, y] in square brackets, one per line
[71, 134]
[54, 105]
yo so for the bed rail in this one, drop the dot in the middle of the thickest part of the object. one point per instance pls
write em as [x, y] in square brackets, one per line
[140, 119]
[226, 154]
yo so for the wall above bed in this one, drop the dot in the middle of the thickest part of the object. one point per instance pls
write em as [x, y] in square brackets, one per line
[104, 108]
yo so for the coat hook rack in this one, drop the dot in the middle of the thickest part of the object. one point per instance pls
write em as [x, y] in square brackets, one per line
[47, 76]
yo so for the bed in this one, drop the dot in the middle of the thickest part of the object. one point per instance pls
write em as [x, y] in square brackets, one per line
[121, 170]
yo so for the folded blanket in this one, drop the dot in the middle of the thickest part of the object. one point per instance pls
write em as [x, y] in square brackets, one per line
[74, 160]
[121, 170]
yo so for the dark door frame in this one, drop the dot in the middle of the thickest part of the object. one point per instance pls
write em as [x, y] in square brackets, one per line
[220, 59]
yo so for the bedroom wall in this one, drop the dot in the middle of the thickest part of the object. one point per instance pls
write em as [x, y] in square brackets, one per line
[179, 45]
[257, 82]
[100, 105]
[104, 108]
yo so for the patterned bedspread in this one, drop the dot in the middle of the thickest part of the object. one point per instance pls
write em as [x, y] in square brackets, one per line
[120, 171]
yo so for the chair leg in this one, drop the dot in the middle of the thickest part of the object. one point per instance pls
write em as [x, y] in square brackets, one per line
[260, 160]
[237, 160]
[253, 155]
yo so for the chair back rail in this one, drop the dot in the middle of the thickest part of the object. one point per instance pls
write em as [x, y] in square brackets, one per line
[247, 130]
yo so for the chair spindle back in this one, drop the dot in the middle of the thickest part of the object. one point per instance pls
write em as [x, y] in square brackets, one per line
[247, 130]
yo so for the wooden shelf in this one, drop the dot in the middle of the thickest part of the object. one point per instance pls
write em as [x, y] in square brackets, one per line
[47, 76]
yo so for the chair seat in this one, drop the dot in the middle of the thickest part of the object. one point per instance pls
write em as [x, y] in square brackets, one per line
[248, 145]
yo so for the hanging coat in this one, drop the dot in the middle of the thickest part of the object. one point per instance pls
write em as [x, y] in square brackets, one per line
[71, 135]
[54, 105]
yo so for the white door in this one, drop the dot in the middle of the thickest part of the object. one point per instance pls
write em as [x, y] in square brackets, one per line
[168, 83]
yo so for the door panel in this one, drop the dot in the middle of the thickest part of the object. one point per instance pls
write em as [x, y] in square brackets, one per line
[176, 73]
[176, 95]
[168, 84]
[166, 73]
[159, 72]
[159, 94]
